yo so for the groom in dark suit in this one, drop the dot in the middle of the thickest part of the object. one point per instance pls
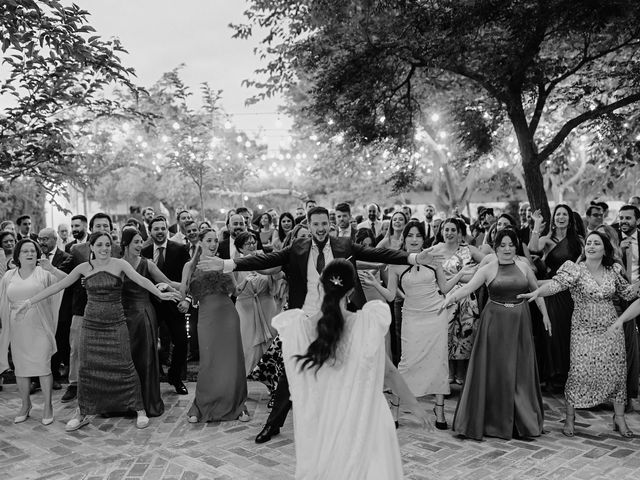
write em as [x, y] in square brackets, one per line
[302, 262]
[170, 257]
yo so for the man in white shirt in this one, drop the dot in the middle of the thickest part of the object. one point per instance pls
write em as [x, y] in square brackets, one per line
[63, 235]
[373, 222]
[303, 261]
[192, 235]
[430, 224]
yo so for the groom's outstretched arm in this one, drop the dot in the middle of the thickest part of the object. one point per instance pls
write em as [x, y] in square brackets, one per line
[261, 261]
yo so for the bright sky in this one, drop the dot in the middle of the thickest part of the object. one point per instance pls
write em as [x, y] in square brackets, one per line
[162, 34]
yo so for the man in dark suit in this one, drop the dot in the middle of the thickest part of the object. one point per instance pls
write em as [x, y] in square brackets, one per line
[236, 224]
[78, 231]
[80, 253]
[343, 222]
[24, 228]
[303, 261]
[628, 219]
[48, 241]
[170, 257]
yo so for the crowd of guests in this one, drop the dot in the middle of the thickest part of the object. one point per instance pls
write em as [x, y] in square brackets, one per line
[501, 306]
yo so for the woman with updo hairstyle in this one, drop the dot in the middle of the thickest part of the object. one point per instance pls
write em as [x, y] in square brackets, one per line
[221, 389]
[335, 363]
[141, 319]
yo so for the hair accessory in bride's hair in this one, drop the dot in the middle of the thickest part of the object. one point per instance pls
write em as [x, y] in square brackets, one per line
[336, 281]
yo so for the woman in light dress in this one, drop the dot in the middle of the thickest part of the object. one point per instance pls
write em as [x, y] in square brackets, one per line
[424, 360]
[335, 362]
[30, 333]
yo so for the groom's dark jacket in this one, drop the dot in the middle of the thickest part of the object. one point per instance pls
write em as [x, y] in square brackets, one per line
[295, 259]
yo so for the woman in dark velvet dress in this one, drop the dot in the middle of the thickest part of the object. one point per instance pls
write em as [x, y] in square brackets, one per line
[221, 390]
[501, 396]
[562, 243]
[141, 320]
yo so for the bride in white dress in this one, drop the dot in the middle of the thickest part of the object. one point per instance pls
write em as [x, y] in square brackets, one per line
[335, 363]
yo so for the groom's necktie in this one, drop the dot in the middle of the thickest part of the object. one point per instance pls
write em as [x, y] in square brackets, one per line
[320, 260]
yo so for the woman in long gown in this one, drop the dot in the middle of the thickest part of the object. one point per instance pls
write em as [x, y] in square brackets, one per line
[335, 362]
[562, 243]
[255, 304]
[32, 335]
[501, 396]
[597, 369]
[108, 381]
[221, 389]
[463, 318]
[424, 362]
[141, 320]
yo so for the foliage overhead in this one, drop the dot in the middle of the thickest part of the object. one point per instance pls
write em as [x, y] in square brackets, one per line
[374, 67]
[55, 68]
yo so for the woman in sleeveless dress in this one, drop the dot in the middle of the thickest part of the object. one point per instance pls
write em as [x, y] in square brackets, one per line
[424, 361]
[597, 371]
[501, 396]
[335, 362]
[32, 335]
[457, 255]
[221, 389]
[562, 243]
[108, 381]
[141, 320]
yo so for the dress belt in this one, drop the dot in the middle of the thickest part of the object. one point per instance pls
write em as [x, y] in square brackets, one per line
[508, 305]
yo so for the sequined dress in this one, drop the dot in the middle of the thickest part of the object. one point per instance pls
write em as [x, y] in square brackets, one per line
[221, 389]
[597, 370]
[108, 381]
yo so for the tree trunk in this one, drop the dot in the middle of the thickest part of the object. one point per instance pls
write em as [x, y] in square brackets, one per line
[534, 184]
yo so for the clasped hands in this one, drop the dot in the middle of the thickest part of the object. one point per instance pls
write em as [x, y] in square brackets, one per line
[168, 293]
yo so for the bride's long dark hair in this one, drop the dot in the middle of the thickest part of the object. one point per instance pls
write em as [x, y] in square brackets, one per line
[337, 279]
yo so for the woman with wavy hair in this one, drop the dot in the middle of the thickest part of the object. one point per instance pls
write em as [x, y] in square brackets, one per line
[597, 368]
[286, 222]
[335, 363]
[561, 243]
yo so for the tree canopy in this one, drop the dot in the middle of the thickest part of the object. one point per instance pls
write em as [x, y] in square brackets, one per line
[378, 68]
[55, 69]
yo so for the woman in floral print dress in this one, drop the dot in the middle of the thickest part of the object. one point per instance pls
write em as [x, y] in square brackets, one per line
[597, 366]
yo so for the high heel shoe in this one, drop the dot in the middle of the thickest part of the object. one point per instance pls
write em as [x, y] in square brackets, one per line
[569, 426]
[440, 425]
[47, 421]
[624, 429]
[22, 418]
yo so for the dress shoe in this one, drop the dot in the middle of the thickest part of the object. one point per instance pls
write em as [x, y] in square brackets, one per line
[142, 421]
[22, 418]
[47, 421]
[76, 423]
[56, 385]
[70, 394]
[267, 432]
[180, 388]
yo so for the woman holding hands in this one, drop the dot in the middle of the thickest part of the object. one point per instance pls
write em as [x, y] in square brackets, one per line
[597, 362]
[108, 381]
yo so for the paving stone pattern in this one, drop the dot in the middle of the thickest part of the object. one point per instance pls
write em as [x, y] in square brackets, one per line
[171, 448]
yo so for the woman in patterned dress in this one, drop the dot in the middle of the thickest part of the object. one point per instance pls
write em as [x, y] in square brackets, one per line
[462, 319]
[597, 363]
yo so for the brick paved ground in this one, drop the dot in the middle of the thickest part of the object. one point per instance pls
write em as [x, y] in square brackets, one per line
[171, 448]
